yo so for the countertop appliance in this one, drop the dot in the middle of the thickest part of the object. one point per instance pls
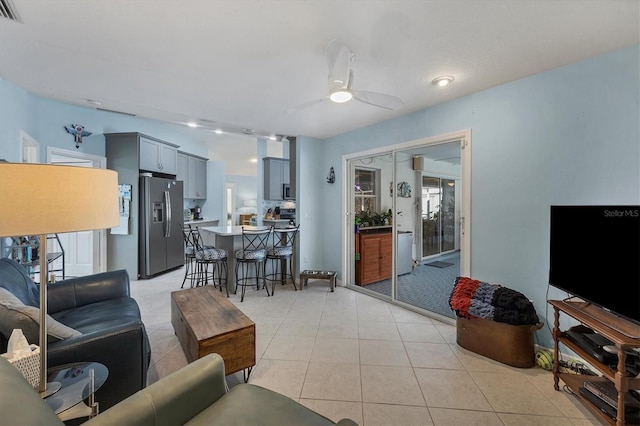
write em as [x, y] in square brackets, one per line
[197, 213]
[161, 246]
[287, 216]
[287, 213]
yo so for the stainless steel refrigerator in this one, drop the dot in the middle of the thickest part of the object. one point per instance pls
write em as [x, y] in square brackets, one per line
[161, 243]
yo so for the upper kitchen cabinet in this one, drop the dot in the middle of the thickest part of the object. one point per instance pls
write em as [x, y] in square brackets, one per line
[158, 156]
[276, 176]
[192, 170]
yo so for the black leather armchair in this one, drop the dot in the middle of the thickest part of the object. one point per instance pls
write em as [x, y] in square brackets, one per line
[101, 308]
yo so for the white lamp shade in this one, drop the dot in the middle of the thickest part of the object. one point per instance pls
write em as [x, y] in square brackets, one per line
[40, 199]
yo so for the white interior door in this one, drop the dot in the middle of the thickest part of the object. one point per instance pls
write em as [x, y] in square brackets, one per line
[84, 254]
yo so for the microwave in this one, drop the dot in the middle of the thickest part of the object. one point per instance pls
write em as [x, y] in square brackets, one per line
[286, 192]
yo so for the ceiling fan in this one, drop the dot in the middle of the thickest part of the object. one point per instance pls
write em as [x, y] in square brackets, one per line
[339, 59]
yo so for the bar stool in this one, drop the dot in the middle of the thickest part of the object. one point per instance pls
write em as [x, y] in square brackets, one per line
[254, 252]
[280, 253]
[189, 256]
[206, 256]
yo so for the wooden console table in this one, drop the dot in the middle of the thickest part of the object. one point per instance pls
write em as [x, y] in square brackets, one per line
[617, 330]
[205, 322]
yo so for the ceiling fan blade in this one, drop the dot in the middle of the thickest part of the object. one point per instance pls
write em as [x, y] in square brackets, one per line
[339, 59]
[304, 105]
[378, 99]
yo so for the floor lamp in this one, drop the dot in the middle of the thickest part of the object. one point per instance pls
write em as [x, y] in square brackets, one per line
[41, 199]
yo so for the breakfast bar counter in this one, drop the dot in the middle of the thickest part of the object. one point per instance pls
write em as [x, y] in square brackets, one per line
[229, 238]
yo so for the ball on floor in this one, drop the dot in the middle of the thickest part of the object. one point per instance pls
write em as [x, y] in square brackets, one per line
[544, 360]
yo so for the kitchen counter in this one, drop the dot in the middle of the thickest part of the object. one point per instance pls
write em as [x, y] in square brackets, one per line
[228, 238]
[277, 223]
[203, 222]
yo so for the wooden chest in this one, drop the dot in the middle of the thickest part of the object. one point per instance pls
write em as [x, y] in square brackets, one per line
[505, 343]
[205, 322]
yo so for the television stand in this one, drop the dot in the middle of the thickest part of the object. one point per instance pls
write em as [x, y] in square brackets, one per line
[609, 326]
[613, 321]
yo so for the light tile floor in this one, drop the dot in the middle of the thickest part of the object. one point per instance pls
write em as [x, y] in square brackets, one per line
[346, 354]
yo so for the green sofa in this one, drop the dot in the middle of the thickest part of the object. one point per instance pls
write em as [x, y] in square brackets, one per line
[196, 395]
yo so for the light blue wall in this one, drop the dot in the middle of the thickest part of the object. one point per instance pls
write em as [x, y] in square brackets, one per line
[245, 187]
[567, 136]
[15, 115]
[44, 120]
[311, 199]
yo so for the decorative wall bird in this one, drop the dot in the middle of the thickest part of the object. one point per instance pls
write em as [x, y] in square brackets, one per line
[78, 132]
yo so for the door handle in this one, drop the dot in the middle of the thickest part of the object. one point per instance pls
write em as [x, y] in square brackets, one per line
[167, 201]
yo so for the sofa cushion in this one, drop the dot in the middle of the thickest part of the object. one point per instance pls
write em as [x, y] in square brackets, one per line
[100, 315]
[247, 404]
[15, 314]
[14, 278]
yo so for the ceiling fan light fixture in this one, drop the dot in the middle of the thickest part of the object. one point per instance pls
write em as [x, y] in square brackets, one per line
[340, 96]
[442, 81]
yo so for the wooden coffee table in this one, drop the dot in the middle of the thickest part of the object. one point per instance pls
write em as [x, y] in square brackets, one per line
[205, 322]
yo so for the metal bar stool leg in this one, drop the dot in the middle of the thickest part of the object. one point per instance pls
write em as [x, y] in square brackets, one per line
[293, 277]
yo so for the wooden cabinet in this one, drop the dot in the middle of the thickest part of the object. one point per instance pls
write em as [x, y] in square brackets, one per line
[192, 170]
[276, 174]
[245, 219]
[376, 250]
[613, 328]
[158, 156]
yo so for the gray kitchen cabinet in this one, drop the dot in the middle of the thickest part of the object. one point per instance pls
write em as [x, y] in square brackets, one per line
[276, 174]
[158, 156]
[192, 170]
[181, 173]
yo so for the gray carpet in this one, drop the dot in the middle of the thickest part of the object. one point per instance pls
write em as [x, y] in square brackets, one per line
[426, 288]
[439, 264]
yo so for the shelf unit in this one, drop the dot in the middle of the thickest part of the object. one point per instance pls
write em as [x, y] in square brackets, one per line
[17, 252]
[610, 326]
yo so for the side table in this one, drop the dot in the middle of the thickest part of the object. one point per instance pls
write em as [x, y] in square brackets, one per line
[79, 381]
[321, 275]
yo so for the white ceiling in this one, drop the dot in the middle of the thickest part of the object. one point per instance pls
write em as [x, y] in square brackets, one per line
[241, 64]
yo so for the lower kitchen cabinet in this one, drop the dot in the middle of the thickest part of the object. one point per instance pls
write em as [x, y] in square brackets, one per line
[376, 250]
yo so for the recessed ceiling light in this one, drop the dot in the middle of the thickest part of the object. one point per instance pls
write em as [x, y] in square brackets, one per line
[218, 131]
[94, 102]
[253, 160]
[443, 80]
[192, 124]
[341, 95]
[272, 138]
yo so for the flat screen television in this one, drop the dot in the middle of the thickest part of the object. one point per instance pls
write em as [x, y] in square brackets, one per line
[595, 256]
